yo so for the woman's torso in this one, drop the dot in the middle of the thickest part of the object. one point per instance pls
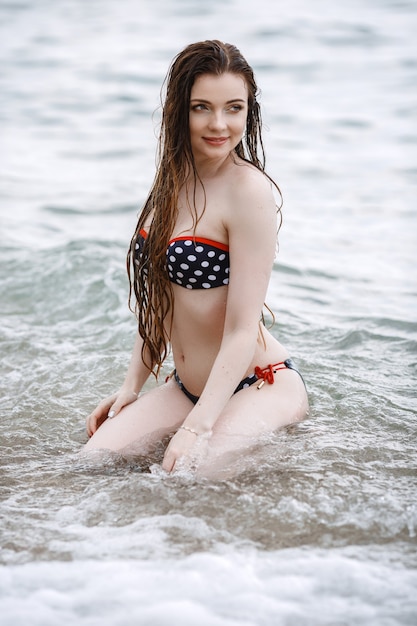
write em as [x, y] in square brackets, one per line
[196, 325]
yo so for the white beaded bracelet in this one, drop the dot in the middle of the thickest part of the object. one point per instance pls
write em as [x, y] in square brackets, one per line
[190, 430]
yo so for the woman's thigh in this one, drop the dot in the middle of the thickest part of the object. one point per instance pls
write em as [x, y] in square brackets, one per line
[254, 410]
[152, 417]
[250, 414]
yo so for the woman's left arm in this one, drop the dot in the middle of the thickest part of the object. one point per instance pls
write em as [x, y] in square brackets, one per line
[252, 230]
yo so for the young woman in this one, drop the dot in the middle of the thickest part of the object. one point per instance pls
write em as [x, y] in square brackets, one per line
[199, 265]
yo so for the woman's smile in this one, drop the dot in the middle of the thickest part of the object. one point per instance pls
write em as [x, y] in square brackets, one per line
[216, 141]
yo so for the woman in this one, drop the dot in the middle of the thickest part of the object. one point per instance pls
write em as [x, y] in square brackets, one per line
[199, 265]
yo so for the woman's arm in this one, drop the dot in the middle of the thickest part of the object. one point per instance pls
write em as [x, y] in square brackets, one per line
[136, 376]
[252, 229]
[137, 373]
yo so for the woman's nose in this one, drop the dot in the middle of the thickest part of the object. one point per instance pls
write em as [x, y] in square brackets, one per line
[217, 121]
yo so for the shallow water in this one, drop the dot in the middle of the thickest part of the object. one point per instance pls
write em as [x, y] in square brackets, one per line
[321, 528]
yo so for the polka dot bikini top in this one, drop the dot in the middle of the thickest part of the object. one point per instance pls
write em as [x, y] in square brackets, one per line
[195, 262]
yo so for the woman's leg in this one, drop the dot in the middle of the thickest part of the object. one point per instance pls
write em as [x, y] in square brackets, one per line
[152, 417]
[250, 414]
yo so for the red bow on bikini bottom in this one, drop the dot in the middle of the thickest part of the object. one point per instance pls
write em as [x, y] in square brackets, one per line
[266, 374]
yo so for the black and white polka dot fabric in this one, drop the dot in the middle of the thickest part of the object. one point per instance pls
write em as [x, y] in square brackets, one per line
[196, 263]
[193, 263]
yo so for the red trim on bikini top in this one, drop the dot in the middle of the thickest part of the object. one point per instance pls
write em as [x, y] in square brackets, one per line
[209, 242]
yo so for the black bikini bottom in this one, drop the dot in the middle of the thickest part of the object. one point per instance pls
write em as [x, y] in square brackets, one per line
[246, 382]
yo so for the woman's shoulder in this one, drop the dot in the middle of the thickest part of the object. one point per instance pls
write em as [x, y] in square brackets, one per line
[251, 185]
[250, 194]
[249, 178]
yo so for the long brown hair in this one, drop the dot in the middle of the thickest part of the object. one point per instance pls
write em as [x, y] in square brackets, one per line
[147, 272]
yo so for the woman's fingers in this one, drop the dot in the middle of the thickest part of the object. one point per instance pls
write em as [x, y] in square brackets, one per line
[122, 400]
[108, 408]
[99, 415]
[168, 463]
[180, 450]
[94, 421]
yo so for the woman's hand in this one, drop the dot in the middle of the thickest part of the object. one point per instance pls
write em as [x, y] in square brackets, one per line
[186, 447]
[108, 408]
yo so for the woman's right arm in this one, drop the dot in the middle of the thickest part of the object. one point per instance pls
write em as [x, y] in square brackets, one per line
[136, 376]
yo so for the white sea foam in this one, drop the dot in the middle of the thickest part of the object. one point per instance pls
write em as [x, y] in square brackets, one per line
[224, 589]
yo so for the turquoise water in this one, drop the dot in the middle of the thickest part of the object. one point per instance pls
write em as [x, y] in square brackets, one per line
[321, 529]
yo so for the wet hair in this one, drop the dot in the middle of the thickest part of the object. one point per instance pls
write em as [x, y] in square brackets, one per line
[176, 167]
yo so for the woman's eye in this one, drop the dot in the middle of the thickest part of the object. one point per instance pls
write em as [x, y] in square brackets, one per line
[234, 108]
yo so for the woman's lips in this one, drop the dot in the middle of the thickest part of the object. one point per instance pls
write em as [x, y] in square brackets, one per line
[215, 141]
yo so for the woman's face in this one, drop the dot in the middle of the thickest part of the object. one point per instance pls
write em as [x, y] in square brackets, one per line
[218, 112]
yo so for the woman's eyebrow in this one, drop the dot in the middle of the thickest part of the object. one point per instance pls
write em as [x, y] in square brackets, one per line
[208, 101]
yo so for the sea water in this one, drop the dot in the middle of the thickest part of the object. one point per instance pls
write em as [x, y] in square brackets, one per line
[321, 527]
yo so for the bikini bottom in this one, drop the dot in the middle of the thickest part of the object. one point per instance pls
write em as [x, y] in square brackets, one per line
[265, 374]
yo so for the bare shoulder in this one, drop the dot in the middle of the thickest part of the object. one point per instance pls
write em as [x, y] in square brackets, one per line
[251, 192]
[249, 176]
